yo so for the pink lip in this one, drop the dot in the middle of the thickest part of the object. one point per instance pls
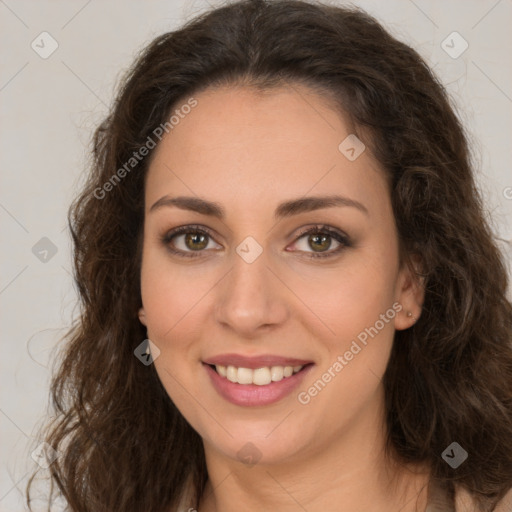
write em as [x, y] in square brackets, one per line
[255, 361]
[253, 395]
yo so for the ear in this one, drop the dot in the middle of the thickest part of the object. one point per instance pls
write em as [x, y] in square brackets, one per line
[142, 316]
[410, 293]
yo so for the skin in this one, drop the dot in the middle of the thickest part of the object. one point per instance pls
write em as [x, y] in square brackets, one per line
[248, 152]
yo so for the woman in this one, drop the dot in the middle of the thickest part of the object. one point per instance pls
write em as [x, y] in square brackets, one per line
[291, 297]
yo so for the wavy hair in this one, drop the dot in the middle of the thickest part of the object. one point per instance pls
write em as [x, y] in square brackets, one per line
[123, 443]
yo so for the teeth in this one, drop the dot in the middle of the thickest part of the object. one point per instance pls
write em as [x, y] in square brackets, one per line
[232, 373]
[277, 373]
[260, 376]
[244, 376]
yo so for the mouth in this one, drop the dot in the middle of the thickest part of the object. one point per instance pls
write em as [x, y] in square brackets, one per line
[261, 386]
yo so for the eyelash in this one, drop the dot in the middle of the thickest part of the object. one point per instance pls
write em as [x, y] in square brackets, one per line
[319, 229]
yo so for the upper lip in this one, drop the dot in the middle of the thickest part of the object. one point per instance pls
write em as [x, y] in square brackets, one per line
[254, 362]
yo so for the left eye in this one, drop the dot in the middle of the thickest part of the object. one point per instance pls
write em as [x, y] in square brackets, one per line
[196, 239]
[321, 238]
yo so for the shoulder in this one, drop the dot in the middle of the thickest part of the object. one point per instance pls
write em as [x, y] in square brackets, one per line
[465, 503]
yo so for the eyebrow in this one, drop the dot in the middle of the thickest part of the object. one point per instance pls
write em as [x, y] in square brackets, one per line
[285, 209]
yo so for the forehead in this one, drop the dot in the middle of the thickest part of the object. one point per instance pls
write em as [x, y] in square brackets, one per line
[241, 144]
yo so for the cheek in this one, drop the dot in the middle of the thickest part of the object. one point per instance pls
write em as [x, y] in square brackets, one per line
[360, 315]
[170, 294]
[169, 298]
[351, 297]
[349, 378]
[355, 302]
[176, 301]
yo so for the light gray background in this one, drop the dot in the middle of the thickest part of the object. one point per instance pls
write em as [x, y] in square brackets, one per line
[49, 108]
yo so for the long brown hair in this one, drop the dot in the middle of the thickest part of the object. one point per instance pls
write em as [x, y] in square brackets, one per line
[123, 443]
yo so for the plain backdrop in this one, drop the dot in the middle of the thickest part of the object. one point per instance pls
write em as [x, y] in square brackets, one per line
[50, 106]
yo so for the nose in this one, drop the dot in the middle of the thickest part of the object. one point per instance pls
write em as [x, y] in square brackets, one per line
[251, 298]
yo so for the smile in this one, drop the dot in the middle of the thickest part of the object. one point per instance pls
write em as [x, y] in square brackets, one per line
[255, 387]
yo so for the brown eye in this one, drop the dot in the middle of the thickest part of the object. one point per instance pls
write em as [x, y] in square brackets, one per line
[196, 241]
[319, 238]
[187, 241]
[322, 242]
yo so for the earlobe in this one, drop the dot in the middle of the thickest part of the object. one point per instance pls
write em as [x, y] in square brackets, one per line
[142, 316]
[410, 294]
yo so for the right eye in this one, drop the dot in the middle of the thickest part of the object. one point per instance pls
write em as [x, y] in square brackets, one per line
[195, 239]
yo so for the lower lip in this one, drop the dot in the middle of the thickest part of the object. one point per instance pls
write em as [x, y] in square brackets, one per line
[253, 395]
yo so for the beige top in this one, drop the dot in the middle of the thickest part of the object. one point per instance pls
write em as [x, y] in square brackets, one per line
[438, 501]
[464, 503]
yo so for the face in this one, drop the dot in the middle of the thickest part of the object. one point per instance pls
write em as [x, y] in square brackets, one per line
[249, 289]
